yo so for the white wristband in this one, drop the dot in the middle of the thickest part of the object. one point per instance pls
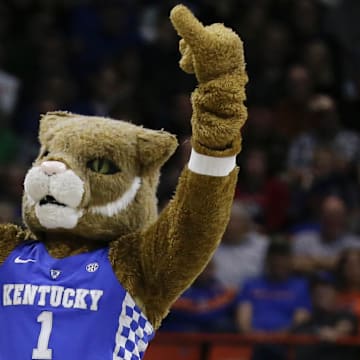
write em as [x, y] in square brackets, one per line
[211, 166]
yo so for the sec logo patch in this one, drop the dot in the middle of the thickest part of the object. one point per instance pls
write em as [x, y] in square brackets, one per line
[92, 267]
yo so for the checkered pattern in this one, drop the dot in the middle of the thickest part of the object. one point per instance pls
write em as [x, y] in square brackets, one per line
[134, 332]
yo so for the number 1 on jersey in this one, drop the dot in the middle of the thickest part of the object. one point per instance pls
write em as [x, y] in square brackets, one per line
[42, 352]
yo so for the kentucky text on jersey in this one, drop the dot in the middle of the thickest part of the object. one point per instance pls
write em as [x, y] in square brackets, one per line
[53, 296]
[71, 308]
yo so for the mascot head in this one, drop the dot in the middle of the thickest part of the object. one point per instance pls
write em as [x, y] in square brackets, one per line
[94, 177]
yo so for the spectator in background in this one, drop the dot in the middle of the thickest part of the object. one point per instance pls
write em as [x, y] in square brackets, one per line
[251, 26]
[9, 83]
[207, 306]
[266, 197]
[348, 281]
[290, 111]
[242, 251]
[261, 131]
[319, 61]
[27, 120]
[274, 302]
[328, 175]
[327, 322]
[343, 24]
[332, 175]
[274, 52]
[99, 31]
[305, 18]
[162, 57]
[351, 100]
[9, 88]
[107, 89]
[326, 132]
[320, 248]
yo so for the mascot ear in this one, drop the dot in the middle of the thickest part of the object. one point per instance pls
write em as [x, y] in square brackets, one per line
[154, 148]
[49, 120]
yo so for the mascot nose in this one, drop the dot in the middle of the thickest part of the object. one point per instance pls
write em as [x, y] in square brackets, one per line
[53, 167]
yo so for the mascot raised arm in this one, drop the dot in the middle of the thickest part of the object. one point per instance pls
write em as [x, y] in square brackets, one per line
[96, 269]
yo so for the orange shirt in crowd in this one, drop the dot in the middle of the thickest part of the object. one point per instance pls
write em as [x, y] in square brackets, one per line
[350, 300]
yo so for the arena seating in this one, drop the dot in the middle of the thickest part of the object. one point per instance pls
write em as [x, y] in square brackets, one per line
[179, 346]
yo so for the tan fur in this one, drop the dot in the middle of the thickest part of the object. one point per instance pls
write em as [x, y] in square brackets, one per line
[154, 259]
[215, 55]
[11, 236]
[74, 139]
[175, 249]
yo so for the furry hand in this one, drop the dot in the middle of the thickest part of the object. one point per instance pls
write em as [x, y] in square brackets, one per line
[208, 51]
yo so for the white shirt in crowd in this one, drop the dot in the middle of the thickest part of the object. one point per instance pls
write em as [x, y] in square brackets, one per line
[236, 263]
[310, 243]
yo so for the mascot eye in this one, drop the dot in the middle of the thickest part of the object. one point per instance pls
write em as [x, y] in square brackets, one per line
[103, 166]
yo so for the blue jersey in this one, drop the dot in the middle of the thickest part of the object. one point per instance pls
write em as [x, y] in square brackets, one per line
[72, 308]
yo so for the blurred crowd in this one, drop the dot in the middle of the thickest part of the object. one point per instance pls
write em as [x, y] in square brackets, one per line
[307, 282]
[295, 226]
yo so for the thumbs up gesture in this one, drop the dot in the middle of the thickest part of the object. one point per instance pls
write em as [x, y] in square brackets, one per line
[208, 51]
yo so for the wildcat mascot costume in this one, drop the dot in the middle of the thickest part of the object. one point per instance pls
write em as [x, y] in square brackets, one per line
[96, 270]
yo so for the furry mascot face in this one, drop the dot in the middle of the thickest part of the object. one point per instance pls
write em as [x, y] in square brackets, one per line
[94, 177]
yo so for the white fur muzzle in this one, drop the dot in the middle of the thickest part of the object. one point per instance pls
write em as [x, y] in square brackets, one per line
[66, 188]
[53, 216]
[56, 197]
